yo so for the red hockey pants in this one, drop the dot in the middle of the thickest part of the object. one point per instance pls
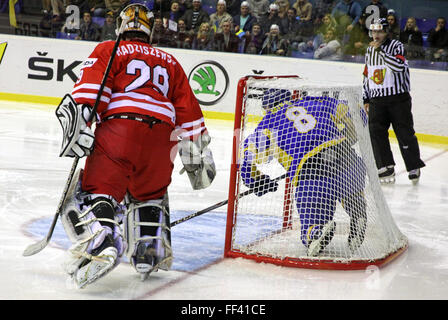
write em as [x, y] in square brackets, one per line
[130, 156]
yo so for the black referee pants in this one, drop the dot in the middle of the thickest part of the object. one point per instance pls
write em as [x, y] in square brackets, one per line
[395, 111]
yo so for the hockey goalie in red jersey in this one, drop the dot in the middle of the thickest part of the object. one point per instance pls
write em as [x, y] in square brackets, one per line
[147, 109]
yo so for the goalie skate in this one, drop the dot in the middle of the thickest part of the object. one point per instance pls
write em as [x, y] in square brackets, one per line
[90, 267]
[146, 260]
[386, 175]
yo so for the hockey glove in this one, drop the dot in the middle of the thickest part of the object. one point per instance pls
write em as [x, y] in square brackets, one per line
[258, 182]
[78, 137]
[263, 184]
[198, 161]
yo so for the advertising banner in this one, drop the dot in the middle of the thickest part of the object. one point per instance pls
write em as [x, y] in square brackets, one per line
[43, 70]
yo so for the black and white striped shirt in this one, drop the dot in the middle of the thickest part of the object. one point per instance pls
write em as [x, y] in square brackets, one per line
[386, 71]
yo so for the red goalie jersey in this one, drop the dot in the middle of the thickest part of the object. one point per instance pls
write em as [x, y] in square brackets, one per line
[151, 82]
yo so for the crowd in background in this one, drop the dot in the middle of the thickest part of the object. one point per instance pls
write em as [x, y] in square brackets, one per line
[321, 29]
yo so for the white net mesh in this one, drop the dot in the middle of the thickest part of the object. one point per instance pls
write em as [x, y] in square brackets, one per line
[305, 152]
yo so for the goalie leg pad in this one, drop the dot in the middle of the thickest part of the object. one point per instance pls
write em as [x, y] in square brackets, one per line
[89, 221]
[148, 235]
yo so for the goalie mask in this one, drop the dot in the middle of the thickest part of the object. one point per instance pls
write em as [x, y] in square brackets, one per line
[377, 25]
[140, 19]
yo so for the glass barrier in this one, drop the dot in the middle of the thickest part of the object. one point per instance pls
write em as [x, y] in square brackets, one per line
[310, 29]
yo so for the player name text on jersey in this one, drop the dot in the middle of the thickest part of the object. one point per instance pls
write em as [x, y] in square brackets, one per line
[146, 50]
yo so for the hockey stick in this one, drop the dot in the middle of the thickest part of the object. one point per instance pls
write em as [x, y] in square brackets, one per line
[39, 246]
[219, 204]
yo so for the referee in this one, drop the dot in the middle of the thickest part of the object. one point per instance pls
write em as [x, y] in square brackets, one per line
[387, 101]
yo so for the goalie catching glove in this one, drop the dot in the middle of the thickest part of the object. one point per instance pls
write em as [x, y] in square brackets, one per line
[78, 137]
[198, 161]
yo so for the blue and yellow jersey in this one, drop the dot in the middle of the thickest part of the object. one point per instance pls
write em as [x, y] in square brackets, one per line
[292, 132]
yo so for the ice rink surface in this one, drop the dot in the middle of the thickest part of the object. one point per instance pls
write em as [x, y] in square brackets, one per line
[32, 178]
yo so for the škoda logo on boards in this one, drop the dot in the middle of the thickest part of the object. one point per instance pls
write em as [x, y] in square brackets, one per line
[209, 82]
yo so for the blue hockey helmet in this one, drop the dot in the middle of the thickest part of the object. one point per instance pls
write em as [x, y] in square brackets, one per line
[273, 97]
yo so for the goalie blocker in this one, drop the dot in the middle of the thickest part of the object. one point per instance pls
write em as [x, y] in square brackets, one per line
[78, 138]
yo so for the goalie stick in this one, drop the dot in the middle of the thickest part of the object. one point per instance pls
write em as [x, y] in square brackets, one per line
[219, 204]
[40, 245]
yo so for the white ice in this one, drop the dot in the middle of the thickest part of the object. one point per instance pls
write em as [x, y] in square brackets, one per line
[32, 177]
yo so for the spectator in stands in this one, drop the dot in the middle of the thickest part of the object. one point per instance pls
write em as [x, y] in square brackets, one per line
[160, 6]
[370, 9]
[57, 8]
[46, 6]
[320, 9]
[328, 22]
[233, 7]
[204, 38]
[346, 14]
[108, 29]
[253, 41]
[283, 6]
[274, 44]
[184, 5]
[97, 8]
[290, 25]
[182, 37]
[174, 14]
[270, 18]
[358, 38]
[113, 6]
[89, 31]
[304, 11]
[158, 37]
[46, 26]
[226, 40]
[195, 16]
[438, 41]
[259, 8]
[394, 27]
[244, 20]
[220, 15]
[83, 5]
[412, 39]
[331, 49]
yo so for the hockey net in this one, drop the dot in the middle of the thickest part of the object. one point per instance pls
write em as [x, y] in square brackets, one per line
[318, 170]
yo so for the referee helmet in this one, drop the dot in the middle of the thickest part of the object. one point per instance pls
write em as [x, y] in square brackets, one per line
[378, 24]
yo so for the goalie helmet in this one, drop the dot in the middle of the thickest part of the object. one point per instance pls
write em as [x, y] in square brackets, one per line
[378, 24]
[140, 19]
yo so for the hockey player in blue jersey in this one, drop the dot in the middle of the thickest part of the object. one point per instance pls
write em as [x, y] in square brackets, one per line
[308, 137]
